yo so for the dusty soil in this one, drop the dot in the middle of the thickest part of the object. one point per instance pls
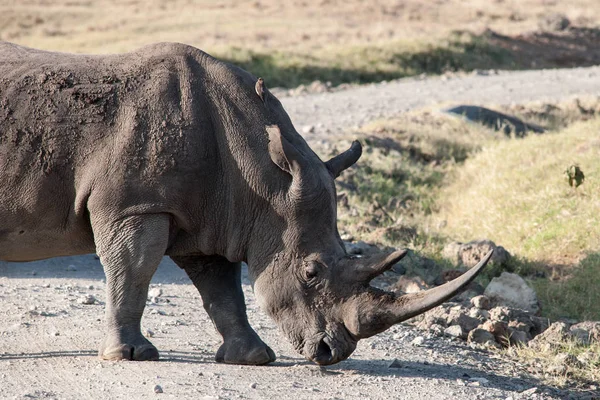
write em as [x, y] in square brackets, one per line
[113, 26]
[48, 343]
[48, 338]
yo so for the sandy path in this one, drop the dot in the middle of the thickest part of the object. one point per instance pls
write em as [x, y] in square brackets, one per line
[332, 113]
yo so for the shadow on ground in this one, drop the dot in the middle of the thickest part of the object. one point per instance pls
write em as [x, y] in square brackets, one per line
[83, 267]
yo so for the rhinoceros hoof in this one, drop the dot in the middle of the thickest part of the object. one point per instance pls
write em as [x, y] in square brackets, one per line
[245, 352]
[143, 352]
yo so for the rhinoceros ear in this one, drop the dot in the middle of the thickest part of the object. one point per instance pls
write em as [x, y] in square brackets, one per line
[282, 152]
[342, 161]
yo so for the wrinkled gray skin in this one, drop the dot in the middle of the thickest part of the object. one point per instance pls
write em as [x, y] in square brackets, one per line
[168, 151]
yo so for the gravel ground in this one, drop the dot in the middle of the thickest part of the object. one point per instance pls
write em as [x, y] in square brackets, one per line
[322, 116]
[52, 311]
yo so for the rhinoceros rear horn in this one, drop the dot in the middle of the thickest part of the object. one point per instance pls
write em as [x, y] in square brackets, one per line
[342, 161]
[365, 269]
[378, 310]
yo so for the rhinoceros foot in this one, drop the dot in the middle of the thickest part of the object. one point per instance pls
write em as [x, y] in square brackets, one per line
[244, 350]
[138, 350]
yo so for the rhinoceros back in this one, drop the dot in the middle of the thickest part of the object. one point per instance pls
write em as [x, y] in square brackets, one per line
[74, 124]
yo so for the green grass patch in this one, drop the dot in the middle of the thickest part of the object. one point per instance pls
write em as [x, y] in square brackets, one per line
[576, 296]
[393, 188]
[516, 194]
[542, 361]
[462, 51]
[426, 179]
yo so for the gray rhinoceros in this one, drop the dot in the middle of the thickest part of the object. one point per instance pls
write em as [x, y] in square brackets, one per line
[168, 151]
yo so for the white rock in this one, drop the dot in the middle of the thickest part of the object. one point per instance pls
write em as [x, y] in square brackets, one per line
[455, 331]
[87, 299]
[512, 291]
[481, 302]
[148, 333]
[155, 292]
[418, 341]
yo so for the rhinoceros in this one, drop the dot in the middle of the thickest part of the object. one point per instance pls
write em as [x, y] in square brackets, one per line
[168, 151]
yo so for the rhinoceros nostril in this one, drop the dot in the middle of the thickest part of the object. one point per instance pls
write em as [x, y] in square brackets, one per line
[324, 355]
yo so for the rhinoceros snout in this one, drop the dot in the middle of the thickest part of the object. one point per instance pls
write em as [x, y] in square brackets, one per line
[327, 350]
[324, 354]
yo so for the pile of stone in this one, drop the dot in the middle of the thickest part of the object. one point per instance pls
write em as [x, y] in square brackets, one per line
[503, 314]
[481, 324]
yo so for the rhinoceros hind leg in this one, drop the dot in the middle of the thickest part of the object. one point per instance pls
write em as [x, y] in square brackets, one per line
[219, 284]
[130, 250]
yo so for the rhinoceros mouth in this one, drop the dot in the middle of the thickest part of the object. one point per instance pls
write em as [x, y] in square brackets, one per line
[327, 349]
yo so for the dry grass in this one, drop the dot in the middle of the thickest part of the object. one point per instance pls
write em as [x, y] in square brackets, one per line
[516, 194]
[426, 179]
[395, 184]
[113, 26]
[582, 371]
[299, 41]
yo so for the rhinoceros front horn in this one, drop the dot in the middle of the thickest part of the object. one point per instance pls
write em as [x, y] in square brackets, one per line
[342, 161]
[376, 310]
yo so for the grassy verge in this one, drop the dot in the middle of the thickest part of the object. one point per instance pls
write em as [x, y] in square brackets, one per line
[426, 179]
[566, 363]
[516, 193]
[372, 63]
[575, 296]
[389, 195]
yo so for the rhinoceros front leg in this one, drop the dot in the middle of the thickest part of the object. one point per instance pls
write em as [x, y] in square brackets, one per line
[220, 285]
[130, 250]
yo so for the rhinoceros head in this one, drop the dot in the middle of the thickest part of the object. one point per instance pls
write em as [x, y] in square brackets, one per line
[318, 295]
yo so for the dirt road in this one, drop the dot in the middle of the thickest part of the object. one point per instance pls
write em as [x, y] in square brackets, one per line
[48, 336]
[321, 116]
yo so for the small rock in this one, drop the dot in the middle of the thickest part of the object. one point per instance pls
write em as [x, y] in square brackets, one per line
[481, 336]
[557, 332]
[586, 332]
[587, 357]
[409, 285]
[87, 299]
[511, 290]
[158, 389]
[155, 292]
[499, 329]
[346, 237]
[71, 268]
[418, 341]
[567, 359]
[529, 392]
[455, 331]
[459, 317]
[395, 364]
[483, 381]
[517, 337]
[481, 302]
[436, 329]
[554, 22]
[148, 333]
[253, 385]
[308, 129]
[482, 315]
[469, 254]
[359, 247]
